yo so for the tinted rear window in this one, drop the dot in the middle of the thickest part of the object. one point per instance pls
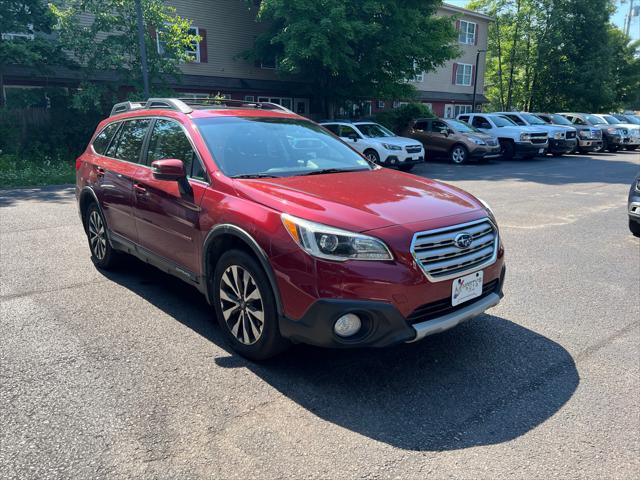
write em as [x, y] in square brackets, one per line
[130, 140]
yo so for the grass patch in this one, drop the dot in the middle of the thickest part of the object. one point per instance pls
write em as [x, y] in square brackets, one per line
[20, 172]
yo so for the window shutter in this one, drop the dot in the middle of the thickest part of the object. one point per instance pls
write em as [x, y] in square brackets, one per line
[204, 54]
[475, 35]
[457, 25]
[455, 71]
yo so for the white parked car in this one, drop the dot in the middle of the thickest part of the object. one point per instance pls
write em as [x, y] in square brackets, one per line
[562, 139]
[516, 141]
[379, 144]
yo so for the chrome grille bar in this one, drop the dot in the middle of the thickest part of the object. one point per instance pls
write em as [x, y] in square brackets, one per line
[441, 259]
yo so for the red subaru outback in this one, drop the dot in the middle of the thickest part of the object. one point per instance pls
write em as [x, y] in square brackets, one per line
[290, 234]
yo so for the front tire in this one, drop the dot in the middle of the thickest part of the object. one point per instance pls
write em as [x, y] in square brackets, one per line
[102, 253]
[459, 154]
[508, 149]
[372, 156]
[634, 227]
[245, 307]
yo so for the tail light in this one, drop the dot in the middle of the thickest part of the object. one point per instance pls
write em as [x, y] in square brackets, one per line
[78, 163]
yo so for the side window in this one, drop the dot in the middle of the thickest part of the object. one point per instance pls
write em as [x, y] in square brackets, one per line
[577, 121]
[332, 128]
[516, 119]
[464, 118]
[348, 132]
[130, 140]
[101, 142]
[421, 126]
[168, 140]
[437, 126]
[480, 122]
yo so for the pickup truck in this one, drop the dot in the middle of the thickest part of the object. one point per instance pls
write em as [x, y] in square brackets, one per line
[612, 137]
[515, 141]
[589, 138]
[562, 139]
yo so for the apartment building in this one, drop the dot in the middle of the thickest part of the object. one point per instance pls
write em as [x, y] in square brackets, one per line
[228, 28]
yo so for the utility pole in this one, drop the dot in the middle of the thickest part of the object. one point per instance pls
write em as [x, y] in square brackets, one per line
[627, 20]
[475, 81]
[143, 49]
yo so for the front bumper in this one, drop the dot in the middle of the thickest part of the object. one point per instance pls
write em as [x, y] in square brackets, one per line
[634, 210]
[526, 149]
[383, 324]
[562, 145]
[614, 139]
[485, 152]
[403, 158]
[588, 144]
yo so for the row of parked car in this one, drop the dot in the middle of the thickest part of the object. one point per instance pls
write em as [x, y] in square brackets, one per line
[484, 136]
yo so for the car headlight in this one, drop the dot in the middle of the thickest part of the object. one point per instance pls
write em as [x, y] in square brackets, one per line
[525, 137]
[477, 141]
[638, 185]
[558, 135]
[331, 243]
[613, 131]
[489, 210]
[583, 133]
[389, 146]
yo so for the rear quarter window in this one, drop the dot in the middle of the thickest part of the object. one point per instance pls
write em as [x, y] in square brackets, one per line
[101, 141]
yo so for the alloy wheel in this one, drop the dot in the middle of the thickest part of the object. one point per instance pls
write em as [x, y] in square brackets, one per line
[372, 157]
[242, 306]
[458, 155]
[97, 235]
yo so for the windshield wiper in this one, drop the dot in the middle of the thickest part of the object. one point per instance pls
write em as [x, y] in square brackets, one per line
[329, 170]
[255, 175]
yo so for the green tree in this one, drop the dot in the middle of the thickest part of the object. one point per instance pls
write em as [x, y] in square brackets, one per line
[351, 49]
[102, 36]
[33, 45]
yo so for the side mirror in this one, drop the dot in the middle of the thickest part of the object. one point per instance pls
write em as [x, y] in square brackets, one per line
[445, 132]
[353, 137]
[170, 169]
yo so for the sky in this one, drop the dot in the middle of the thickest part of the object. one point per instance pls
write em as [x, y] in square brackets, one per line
[617, 19]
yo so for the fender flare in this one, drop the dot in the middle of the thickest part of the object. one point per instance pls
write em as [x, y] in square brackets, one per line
[261, 255]
[89, 191]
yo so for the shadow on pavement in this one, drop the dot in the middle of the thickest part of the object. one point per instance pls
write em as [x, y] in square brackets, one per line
[485, 382]
[54, 194]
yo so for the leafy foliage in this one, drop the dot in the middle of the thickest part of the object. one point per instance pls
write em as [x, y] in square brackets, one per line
[102, 35]
[350, 49]
[557, 55]
[400, 118]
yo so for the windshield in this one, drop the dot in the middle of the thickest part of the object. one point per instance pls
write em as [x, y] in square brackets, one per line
[559, 119]
[595, 120]
[501, 121]
[373, 130]
[532, 119]
[611, 119]
[462, 127]
[633, 119]
[275, 147]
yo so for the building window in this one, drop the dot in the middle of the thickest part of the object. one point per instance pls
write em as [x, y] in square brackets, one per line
[467, 32]
[193, 53]
[249, 98]
[460, 109]
[463, 74]
[380, 104]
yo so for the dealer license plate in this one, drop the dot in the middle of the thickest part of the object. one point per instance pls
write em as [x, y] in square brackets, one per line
[467, 287]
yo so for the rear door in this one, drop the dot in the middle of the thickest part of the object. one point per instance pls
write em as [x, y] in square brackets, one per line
[421, 132]
[115, 170]
[168, 220]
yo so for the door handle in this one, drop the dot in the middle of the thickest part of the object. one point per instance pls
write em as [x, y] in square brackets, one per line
[139, 189]
[100, 172]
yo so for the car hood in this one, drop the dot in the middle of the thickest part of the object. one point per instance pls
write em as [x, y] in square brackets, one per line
[360, 201]
[518, 130]
[555, 128]
[400, 141]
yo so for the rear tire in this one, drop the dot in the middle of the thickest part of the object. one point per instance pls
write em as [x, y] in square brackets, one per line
[459, 154]
[508, 149]
[245, 307]
[103, 254]
[634, 227]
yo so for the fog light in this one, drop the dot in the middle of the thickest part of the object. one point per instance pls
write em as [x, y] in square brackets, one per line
[347, 325]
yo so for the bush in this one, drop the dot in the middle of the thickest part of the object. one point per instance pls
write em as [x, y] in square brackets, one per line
[26, 172]
[400, 118]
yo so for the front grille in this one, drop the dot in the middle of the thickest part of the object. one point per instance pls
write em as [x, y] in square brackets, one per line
[439, 308]
[414, 149]
[492, 142]
[596, 133]
[624, 131]
[538, 138]
[571, 135]
[440, 258]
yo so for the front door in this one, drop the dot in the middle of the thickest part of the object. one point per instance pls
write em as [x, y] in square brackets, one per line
[438, 138]
[167, 216]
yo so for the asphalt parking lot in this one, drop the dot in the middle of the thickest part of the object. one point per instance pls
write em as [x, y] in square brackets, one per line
[114, 375]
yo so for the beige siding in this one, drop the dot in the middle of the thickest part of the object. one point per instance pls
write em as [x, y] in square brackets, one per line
[231, 29]
[441, 79]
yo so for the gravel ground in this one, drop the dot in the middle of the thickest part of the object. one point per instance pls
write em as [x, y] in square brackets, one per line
[121, 375]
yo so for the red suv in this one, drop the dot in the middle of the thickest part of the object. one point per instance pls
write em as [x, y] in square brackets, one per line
[290, 234]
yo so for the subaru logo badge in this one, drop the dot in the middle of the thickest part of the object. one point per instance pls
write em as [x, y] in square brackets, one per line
[463, 240]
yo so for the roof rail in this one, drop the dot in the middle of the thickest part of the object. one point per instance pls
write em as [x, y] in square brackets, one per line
[228, 102]
[184, 105]
[124, 107]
